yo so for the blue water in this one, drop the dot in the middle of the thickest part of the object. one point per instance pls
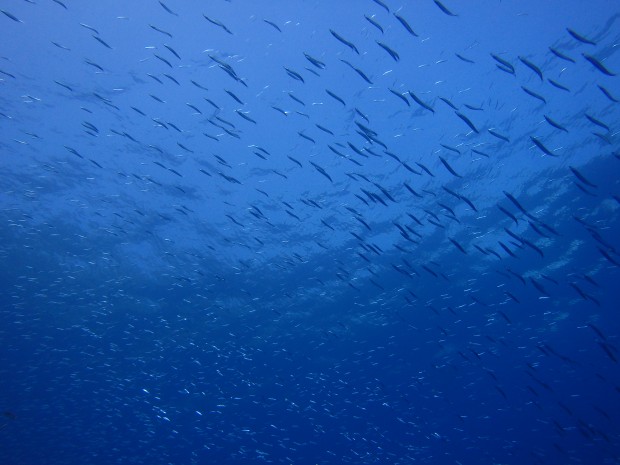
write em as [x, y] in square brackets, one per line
[282, 232]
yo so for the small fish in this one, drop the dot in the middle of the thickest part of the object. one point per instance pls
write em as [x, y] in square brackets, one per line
[506, 249]
[11, 16]
[383, 5]
[295, 75]
[540, 145]
[61, 46]
[272, 24]
[161, 31]
[400, 96]
[467, 121]
[358, 71]
[462, 58]
[324, 129]
[420, 102]
[555, 124]
[331, 94]
[608, 94]
[389, 50]
[598, 65]
[458, 246]
[294, 160]
[579, 37]
[534, 94]
[468, 202]
[217, 23]
[319, 64]
[405, 24]
[508, 214]
[344, 41]
[245, 116]
[374, 23]
[237, 99]
[443, 8]
[162, 59]
[322, 171]
[425, 169]
[306, 137]
[581, 177]
[557, 85]
[559, 54]
[102, 42]
[532, 66]
[163, 5]
[172, 51]
[194, 108]
[449, 168]
[65, 86]
[505, 64]
[452, 149]
[498, 135]
[598, 122]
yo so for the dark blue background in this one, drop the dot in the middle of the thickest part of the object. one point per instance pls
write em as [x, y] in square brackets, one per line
[154, 310]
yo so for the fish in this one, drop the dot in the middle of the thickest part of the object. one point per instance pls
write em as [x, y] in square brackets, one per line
[534, 94]
[443, 8]
[102, 42]
[417, 100]
[372, 21]
[467, 121]
[466, 60]
[272, 24]
[381, 4]
[245, 116]
[561, 55]
[161, 31]
[608, 94]
[541, 146]
[505, 65]
[400, 96]
[558, 85]
[237, 99]
[425, 169]
[405, 24]
[532, 66]
[555, 124]
[410, 189]
[508, 214]
[319, 64]
[322, 171]
[498, 135]
[11, 16]
[358, 71]
[450, 148]
[163, 60]
[395, 56]
[580, 37]
[295, 75]
[449, 168]
[344, 41]
[458, 246]
[165, 7]
[506, 249]
[173, 51]
[581, 177]
[334, 96]
[217, 23]
[597, 64]
[324, 129]
[598, 122]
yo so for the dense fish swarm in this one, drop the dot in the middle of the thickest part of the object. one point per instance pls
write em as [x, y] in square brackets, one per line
[310, 232]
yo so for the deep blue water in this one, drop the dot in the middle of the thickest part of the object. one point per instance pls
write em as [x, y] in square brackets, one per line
[297, 232]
